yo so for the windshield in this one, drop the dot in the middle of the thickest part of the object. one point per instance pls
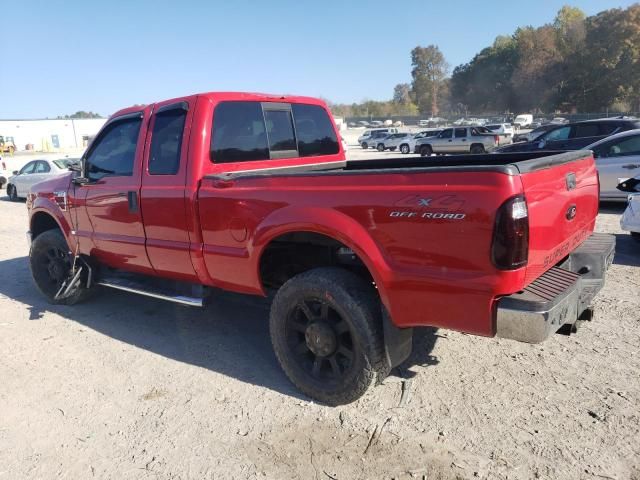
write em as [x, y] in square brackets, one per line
[65, 163]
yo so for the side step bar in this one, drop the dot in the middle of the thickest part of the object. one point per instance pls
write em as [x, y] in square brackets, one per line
[151, 289]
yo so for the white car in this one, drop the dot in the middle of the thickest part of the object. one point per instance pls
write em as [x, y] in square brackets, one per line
[395, 141]
[364, 140]
[630, 220]
[35, 171]
[504, 128]
[523, 121]
[617, 159]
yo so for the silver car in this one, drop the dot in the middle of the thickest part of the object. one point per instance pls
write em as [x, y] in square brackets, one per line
[19, 185]
[617, 159]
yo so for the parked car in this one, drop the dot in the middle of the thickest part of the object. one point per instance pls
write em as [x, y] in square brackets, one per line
[506, 129]
[460, 140]
[370, 138]
[355, 254]
[394, 141]
[630, 220]
[522, 121]
[573, 136]
[20, 183]
[617, 159]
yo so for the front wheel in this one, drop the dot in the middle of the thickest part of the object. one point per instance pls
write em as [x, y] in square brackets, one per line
[426, 150]
[365, 145]
[51, 261]
[404, 149]
[325, 329]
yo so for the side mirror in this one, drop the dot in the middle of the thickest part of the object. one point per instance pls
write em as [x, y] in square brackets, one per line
[15, 172]
[80, 181]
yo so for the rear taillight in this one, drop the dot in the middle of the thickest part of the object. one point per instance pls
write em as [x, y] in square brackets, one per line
[510, 249]
[496, 139]
[4, 166]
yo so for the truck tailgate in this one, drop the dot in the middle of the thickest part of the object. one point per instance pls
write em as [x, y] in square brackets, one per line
[562, 200]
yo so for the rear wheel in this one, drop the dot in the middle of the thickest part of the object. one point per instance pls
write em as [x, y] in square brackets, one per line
[404, 149]
[12, 193]
[51, 262]
[325, 329]
[426, 150]
[380, 147]
[477, 149]
[635, 236]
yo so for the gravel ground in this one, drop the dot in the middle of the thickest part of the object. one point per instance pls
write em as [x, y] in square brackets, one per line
[130, 388]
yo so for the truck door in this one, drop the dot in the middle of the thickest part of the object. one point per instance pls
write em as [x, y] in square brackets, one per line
[163, 196]
[113, 166]
[460, 141]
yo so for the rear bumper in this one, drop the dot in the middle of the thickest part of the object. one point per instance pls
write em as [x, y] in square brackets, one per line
[560, 296]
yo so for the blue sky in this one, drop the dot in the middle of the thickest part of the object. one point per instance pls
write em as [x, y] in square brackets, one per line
[62, 56]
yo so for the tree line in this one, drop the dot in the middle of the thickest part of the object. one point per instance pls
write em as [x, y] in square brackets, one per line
[575, 64]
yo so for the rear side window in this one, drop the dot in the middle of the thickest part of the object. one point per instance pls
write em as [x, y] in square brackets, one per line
[166, 142]
[446, 133]
[42, 167]
[586, 130]
[315, 132]
[238, 133]
[461, 132]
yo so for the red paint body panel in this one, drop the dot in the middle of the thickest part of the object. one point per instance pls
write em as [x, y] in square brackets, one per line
[429, 271]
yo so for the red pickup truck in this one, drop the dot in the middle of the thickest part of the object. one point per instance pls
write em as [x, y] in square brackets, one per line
[251, 193]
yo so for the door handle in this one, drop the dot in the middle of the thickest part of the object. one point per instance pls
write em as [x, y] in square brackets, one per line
[464, 139]
[132, 198]
[451, 140]
[631, 166]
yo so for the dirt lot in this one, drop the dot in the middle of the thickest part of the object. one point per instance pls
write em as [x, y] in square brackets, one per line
[125, 387]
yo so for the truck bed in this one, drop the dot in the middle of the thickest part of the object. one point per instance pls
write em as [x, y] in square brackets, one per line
[424, 225]
[508, 163]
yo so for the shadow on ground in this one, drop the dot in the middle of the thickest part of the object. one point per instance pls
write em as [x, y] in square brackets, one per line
[229, 336]
[627, 250]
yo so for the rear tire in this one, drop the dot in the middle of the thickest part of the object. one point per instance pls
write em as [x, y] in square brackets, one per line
[380, 147]
[426, 150]
[50, 262]
[476, 149]
[12, 193]
[404, 149]
[326, 331]
[635, 236]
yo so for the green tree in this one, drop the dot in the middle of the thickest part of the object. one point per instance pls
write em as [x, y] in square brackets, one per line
[429, 70]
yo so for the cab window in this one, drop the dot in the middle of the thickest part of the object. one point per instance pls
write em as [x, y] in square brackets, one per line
[113, 153]
[166, 142]
[239, 133]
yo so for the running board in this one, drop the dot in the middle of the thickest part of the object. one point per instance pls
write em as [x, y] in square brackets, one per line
[149, 289]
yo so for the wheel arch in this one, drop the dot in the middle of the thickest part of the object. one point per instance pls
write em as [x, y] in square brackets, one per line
[43, 219]
[330, 225]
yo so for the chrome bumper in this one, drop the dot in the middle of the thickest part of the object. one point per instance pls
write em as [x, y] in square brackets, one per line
[560, 296]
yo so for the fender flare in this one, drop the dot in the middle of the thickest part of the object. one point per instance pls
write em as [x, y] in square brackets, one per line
[46, 206]
[327, 222]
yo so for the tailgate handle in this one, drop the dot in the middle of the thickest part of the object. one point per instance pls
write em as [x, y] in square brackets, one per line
[571, 181]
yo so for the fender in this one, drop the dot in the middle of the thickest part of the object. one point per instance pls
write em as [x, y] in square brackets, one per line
[44, 205]
[330, 223]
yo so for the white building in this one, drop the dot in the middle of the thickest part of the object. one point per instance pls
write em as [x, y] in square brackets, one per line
[51, 135]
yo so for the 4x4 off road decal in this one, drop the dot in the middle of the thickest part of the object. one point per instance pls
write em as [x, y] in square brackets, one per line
[444, 207]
